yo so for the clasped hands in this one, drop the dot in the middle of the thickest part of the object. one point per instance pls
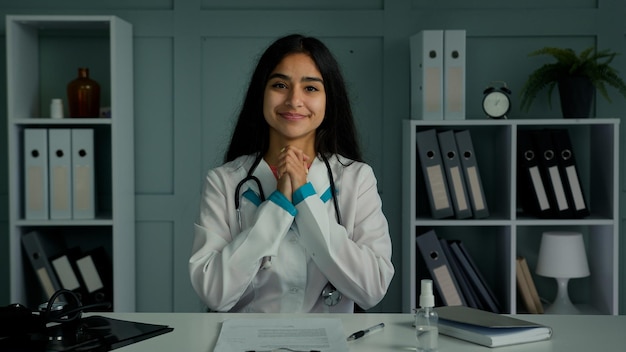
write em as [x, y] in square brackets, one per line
[292, 170]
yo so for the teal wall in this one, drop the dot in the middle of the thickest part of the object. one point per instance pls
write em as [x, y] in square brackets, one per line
[192, 60]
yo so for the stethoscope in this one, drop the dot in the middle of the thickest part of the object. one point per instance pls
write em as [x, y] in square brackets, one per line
[330, 294]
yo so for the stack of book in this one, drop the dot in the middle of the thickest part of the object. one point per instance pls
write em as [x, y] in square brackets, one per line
[489, 329]
[451, 174]
[455, 275]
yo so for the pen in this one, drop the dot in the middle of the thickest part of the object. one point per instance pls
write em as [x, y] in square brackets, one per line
[361, 333]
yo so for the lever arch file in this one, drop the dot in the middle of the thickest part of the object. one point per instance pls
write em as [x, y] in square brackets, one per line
[59, 156]
[439, 269]
[83, 174]
[542, 139]
[427, 75]
[434, 174]
[36, 205]
[67, 272]
[531, 188]
[38, 252]
[95, 270]
[454, 74]
[465, 290]
[472, 174]
[569, 173]
[454, 174]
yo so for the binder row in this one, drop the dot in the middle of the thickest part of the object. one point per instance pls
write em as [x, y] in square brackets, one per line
[457, 279]
[438, 75]
[59, 173]
[451, 174]
[87, 274]
[548, 180]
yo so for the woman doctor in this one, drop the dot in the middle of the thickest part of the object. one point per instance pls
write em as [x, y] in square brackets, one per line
[320, 241]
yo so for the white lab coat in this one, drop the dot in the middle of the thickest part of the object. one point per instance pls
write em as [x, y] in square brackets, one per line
[307, 245]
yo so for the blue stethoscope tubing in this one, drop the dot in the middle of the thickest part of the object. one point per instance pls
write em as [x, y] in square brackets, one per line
[251, 177]
[329, 293]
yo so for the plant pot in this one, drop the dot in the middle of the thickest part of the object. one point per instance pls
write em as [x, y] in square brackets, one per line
[576, 93]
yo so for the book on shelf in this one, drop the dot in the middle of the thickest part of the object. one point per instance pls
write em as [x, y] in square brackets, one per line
[487, 328]
[527, 287]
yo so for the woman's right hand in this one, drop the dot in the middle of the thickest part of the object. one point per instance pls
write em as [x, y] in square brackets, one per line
[292, 170]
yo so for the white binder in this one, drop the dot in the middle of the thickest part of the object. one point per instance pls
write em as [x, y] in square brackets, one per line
[83, 190]
[36, 173]
[426, 55]
[454, 75]
[59, 156]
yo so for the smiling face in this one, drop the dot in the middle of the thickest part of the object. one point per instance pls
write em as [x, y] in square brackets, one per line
[294, 101]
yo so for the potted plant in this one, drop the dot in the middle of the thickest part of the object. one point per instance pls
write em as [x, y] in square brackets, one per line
[576, 77]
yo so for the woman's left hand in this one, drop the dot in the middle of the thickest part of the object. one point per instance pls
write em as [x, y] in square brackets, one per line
[294, 165]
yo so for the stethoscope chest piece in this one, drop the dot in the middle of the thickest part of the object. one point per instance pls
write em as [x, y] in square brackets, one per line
[331, 295]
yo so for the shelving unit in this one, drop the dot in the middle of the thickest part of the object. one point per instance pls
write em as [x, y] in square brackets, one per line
[43, 55]
[496, 241]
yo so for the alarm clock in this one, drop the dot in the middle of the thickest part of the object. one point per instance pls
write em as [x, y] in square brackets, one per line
[497, 101]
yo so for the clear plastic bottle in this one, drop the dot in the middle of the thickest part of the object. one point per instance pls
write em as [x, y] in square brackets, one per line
[426, 320]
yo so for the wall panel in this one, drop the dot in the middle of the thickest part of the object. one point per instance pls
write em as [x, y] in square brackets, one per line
[155, 263]
[154, 112]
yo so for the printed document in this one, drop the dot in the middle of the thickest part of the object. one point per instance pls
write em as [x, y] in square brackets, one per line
[298, 334]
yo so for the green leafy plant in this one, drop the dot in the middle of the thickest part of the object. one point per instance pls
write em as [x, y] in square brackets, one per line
[592, 64]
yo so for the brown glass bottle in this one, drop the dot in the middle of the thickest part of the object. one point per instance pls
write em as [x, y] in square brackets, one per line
[83, 95]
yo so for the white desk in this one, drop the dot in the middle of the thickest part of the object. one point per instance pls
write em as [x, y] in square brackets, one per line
[198, 332]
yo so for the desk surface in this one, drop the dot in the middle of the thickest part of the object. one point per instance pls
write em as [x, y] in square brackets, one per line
[198, 332]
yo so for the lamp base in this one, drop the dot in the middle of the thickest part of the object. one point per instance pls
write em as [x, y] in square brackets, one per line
[562, 303]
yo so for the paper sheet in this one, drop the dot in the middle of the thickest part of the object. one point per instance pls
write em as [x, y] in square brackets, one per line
[299, 334]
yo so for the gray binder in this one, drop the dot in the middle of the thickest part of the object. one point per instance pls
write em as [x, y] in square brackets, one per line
[434, 174]
[454, 174]
[439, 269]
[471, 174]
[38, 253]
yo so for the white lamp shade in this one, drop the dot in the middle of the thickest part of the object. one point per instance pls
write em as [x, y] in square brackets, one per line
[562, 255]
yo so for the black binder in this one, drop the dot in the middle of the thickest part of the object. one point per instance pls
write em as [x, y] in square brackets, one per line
[569, 173]
[67, 272]
[531, 186]
[542, 139]
[96, 272]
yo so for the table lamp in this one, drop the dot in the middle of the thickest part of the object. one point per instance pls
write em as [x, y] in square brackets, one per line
[562, 256]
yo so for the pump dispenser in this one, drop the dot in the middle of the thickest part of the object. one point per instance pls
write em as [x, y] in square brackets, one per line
[426, 319]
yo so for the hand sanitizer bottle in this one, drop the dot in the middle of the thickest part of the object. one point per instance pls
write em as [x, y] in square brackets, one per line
[426, 320]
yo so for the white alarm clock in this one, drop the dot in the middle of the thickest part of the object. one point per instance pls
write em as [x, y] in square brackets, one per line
[497, 101]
